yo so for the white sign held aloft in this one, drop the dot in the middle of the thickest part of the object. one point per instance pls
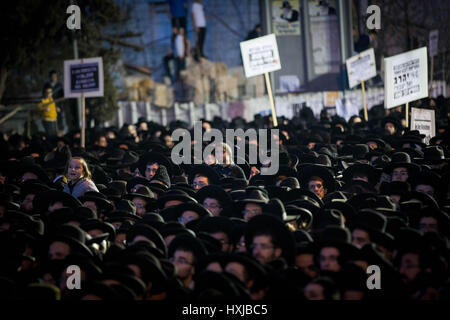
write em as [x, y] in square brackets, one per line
[361, 67]
[83, 76]
[406, 77]
[424, 121]
[260, 55]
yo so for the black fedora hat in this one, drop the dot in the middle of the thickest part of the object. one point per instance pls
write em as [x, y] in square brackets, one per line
[190, 242]
[186, 188]
[136, 181]
[424, 198]
[105, 227]
[128, 159]
[215, 192]
[144, 193]
[395, 188]
[357, 187]
[281, 235]
[74, 236]
[155, 157]
[396, 122]
[402, 159]
[364, 169]
[375, 224]
[100, 200]
[346, 209]
[432, 155]
[32, 187]
[18, 220]
[278, 192]
[300, 194]
[302, 216]
[427, 177]
[191, 206]
[42, 201]
[337, 237]
[36, 170]
[254, 195]
[174, 195]
[204, 170]
[6, 200]
[307, 172]
[141, 229]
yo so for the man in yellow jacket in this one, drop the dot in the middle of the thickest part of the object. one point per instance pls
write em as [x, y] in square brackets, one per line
[48, 112]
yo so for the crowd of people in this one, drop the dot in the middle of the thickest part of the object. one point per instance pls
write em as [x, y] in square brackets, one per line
[349, 197]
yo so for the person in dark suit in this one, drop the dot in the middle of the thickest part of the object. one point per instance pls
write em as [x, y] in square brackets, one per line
[289, 13]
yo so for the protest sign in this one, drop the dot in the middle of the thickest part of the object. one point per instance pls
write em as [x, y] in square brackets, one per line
[83, 78]
[424, 121]
[406, 77]
[260, 56]
[361, 67]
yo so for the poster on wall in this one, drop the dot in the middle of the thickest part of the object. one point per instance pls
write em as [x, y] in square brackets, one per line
[286, 17]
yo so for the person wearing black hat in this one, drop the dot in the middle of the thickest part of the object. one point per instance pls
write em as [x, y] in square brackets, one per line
[221, 229]
[203, 175]
[267, 238]
[391, 125]
[304, 258]
[426, 182]
[334, 247]
[97, 202]
[28, 191]
[250, 272]
[67, 239]
[370, 226]
[317, 179]
[213, 198]
[190, 211]
[323, 288]
[161, 177]
[253, 203]
[144, 200]
[401, 168]
[149, 164]
[361, 171]
[172, 198]
[434, 157]
[186, 253]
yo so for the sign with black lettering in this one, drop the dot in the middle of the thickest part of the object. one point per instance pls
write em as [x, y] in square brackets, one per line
[361, 67]
[83, 76]
[260, 55]
[424, 121]
[406, 77]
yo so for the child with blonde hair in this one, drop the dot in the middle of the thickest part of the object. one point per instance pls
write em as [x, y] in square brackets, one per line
[79, 178]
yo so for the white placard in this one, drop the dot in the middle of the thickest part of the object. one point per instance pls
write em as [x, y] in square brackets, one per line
[424, 121]
[434, 38]
[260, 55]
[83, 76]
[406, 77]
[361, 67]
